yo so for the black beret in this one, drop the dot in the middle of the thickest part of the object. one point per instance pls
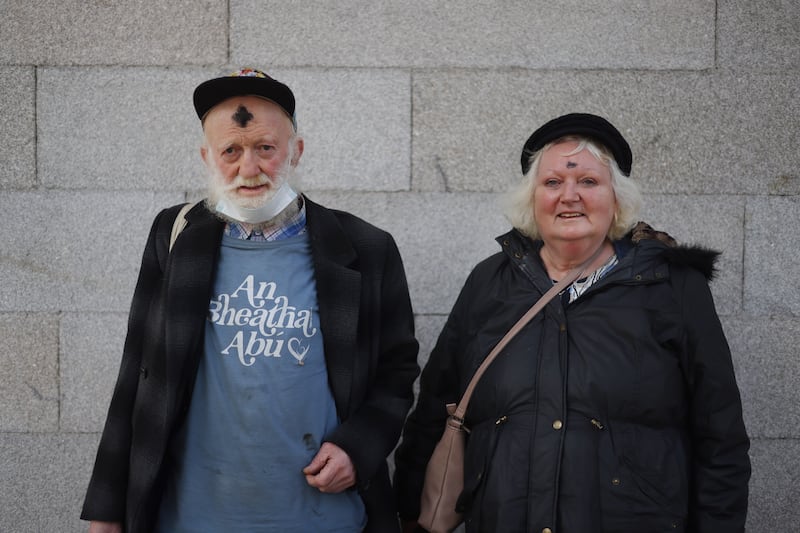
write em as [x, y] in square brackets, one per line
[584, 124]
[243, 82]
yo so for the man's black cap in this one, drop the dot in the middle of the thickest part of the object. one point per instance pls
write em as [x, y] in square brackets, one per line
[584, 124]
[243, 82]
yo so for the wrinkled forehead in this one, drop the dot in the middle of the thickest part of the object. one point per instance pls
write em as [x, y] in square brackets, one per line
[247, 119]
[244, 111]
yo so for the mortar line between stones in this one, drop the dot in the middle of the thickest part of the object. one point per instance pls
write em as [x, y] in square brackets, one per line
[36, 180]
[228, 27]
[716, 34]
[742, 291]
[59, 329]
[411, 130]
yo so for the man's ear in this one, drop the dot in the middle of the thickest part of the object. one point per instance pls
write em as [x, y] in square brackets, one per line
[298, 151]
[204, 154]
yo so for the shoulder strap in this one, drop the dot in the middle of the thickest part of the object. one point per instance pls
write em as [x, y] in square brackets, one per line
[180, 223]
[460, 410]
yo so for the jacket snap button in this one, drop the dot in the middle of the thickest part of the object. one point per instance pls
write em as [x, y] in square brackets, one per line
[615, 481]
[557, 424]
[547, 530]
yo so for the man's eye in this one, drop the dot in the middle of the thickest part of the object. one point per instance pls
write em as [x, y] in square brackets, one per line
[230, 153]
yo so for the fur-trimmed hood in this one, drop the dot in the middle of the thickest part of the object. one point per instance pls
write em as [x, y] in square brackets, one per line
[697, 257]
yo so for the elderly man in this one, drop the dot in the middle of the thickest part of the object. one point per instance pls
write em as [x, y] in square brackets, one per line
[270, 354]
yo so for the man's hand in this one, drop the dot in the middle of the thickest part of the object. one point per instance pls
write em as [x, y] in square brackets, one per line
[331, 470]
[411, 526]
[105, 527]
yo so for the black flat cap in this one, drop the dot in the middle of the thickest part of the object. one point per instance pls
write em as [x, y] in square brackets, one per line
[584, 124]
[243, 82]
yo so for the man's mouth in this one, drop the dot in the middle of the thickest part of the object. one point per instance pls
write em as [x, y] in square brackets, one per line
[253, 189]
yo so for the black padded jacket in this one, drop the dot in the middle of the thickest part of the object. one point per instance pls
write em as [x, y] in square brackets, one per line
[618, 412]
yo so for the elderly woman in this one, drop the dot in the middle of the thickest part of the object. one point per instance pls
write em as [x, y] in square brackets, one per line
[616, 408]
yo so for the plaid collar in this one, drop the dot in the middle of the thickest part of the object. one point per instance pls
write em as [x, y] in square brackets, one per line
[295, 225]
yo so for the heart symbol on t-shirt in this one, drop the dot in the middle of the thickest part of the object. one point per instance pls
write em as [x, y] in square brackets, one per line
[296, 348]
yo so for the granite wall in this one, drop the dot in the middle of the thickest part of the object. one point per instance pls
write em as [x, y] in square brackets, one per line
[414, 114]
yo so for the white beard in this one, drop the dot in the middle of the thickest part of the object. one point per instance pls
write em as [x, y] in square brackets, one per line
[229, 206]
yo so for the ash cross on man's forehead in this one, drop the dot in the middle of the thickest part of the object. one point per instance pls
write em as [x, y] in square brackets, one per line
[242, 116]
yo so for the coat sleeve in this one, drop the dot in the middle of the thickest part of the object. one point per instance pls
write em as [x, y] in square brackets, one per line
[721, 464]
[379, 417]
[106, 494]
[439, 385]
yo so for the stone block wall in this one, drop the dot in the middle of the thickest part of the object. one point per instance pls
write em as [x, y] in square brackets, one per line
[414, 114]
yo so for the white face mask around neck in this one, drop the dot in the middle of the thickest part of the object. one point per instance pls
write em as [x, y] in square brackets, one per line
[283, 197]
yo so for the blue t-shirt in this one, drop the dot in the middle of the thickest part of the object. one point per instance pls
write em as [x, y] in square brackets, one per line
[261, 405]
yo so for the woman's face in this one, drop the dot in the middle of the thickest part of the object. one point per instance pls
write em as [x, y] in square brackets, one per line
[573, 199]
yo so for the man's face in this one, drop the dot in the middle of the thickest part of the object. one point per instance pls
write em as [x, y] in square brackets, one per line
[248, 149]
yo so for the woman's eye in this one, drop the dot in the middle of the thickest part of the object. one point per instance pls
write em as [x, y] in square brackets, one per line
[551, 183]
[589, 181]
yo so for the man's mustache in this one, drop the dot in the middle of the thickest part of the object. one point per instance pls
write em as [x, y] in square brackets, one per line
[256, 181]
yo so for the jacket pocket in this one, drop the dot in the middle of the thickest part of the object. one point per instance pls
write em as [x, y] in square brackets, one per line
[481, 446]
[634, 495]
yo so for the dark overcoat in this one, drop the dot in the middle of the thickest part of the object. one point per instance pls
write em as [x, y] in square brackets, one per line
[370, 353]
[615, 413]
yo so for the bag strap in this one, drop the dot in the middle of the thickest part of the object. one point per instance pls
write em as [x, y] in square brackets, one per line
[461, 409]
[180, 223]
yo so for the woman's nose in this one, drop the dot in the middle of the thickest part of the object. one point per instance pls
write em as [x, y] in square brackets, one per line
[569, 193]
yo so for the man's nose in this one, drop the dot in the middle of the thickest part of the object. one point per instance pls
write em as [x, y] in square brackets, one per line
[249, 166]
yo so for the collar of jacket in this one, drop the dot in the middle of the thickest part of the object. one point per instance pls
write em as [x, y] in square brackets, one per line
[645, 261]
[339, 288]
[189, 275]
